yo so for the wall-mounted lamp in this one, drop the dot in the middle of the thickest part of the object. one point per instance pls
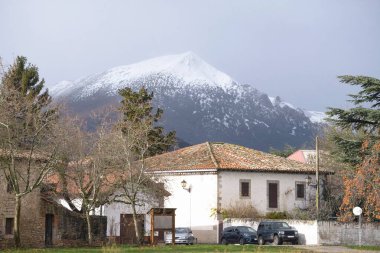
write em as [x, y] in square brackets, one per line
[185, 186]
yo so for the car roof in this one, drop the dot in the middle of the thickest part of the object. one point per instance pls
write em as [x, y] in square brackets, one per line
[268, 222]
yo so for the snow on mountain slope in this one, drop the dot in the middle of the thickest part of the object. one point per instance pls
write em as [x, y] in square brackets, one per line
[200, 102]
[277, 102]
[316, 117]
[188, 67]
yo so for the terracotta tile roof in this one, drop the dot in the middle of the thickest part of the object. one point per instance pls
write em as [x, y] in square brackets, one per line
[25, 154]
[224, 156]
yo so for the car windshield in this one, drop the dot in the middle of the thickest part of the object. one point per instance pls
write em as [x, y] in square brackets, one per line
[181, 230]
[246, 229]
[281, 225]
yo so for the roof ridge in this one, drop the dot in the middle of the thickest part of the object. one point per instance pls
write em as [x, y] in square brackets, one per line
[212, 155]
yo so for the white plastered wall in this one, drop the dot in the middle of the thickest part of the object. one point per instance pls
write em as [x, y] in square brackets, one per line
[113, 211]
[230, 190]
[194, 207]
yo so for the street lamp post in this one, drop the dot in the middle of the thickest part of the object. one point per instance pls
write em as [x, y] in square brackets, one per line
[317, 174]
[187, 187]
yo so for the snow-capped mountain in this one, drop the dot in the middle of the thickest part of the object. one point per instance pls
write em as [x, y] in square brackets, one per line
[200, 102]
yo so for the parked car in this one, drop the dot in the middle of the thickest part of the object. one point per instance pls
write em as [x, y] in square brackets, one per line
[182, 236]
[276, 232]
[238, 234]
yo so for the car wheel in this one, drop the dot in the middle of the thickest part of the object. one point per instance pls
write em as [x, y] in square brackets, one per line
[261, 240]
[224, 241]
[241, 241]
[295, 242]
[276, 240]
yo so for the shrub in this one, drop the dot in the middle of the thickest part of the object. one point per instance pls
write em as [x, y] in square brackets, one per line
[277, 215]
[236, 210]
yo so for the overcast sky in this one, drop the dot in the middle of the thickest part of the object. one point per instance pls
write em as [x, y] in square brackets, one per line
[293, 49]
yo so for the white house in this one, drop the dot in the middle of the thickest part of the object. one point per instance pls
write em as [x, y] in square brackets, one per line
[214, 176]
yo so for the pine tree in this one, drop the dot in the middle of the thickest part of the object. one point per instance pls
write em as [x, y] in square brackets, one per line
[137, 111]
[138, 137]
[26, 132]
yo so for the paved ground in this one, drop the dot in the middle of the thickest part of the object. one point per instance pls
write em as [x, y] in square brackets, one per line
[332, 249]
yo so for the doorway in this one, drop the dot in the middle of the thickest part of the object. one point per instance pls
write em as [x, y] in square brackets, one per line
[49, 219]
[127, 228]
[273, 194]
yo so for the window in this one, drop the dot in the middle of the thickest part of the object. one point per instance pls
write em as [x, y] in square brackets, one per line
[9, 226]
[9, 187]
[245, 188]
[229, 230]
[300, 190]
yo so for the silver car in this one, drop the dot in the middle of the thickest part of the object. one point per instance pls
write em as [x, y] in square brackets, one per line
[182, 236]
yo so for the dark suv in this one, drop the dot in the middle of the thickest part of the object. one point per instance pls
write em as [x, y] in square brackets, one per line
[276, 232]
[238, 234]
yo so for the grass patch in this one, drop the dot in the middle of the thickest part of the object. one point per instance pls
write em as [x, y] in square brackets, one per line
[374, 248]
[177, 248]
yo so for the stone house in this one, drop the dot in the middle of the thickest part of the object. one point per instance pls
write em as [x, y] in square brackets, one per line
[44, 222]
[207, 178]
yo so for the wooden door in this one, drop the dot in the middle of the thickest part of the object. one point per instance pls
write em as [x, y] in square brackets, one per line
[127, 228]
[49, 218]
[273, 195]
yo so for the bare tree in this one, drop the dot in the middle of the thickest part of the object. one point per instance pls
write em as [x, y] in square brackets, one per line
[135, 187]
[85, 177]
[27, 133]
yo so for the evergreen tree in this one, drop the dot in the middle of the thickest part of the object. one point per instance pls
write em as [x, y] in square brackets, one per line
[360, 122]
[26, 132]
[138, 111]
[285, 152]
[356, 139]
[360, 118]
[23, 101]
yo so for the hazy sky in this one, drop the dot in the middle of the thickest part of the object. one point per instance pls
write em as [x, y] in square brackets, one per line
[293, 49]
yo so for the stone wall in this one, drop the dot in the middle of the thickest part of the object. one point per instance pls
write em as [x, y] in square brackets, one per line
[339, 233]
[7, 206]
[69, 228]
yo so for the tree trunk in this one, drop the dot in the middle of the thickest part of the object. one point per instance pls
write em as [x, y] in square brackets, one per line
[135, 221]
[16, 224]
[89, 228]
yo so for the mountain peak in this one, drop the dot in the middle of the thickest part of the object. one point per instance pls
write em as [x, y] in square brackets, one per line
[189, 59]
[187, 67]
